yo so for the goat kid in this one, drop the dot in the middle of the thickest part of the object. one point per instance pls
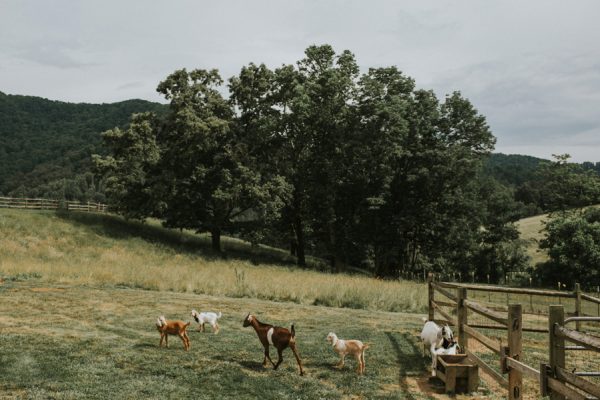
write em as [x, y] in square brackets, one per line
[436, 337]
[210, 318]
[279, 337]
[167, 328]
[353, 347]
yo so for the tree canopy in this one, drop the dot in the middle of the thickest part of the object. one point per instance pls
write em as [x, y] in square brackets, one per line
[362, 169]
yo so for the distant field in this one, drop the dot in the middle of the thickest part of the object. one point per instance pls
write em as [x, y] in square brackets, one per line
[530, 229]
[88, 249]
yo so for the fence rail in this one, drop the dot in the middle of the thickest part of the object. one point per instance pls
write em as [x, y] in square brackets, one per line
[50, 204]
[554, 379]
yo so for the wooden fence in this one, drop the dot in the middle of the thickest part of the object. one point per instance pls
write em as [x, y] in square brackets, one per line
[48, 204]
[554, 379]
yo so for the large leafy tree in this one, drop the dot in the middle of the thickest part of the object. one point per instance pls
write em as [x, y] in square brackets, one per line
[366, 170]
[194, 168]
[573, 243]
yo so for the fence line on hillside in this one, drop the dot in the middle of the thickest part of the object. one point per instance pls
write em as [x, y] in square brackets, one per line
[553, 376]
[49, 204]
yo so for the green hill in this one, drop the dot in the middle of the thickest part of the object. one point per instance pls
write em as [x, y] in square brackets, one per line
[42, 141]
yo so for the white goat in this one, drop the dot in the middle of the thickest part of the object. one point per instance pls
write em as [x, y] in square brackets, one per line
[439, 340]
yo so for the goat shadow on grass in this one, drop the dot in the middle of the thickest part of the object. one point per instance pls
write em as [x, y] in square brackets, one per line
[144, 345]
[247, 364]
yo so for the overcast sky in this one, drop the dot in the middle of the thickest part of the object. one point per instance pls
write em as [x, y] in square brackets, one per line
[531, 67]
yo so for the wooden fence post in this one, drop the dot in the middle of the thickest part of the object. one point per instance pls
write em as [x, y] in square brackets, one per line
[461, 318]
[515, 336]
[431, 296]
[577, 305]
[556, 315]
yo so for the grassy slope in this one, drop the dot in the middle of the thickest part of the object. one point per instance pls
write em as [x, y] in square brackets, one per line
[105, 250]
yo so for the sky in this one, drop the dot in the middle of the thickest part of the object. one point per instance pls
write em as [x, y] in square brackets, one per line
[531, 67]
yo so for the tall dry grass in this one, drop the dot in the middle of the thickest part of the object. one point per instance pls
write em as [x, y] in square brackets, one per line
[105, 250]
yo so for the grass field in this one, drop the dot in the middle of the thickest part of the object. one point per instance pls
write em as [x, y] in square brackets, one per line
[79, 294]
[71, 342]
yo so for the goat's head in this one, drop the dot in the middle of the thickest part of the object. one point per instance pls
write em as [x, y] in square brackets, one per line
[161, 321]
[195, 315]
[332, 338]
[248, 320]
[447, 333]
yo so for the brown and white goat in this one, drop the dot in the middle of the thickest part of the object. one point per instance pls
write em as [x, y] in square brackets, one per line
[352, 347]
[178, 328]
[276, 336]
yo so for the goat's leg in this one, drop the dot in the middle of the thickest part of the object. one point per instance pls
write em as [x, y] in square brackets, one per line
[186, 341]
[280, 359]
[162, 337]
[433, 359]
[216, 328]
[362, 359]
[182, 337]
[167, 340]
[359, 363]
[340, 363]
[293, 347]
[267, 357]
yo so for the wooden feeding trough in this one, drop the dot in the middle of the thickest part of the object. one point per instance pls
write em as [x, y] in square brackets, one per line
[458, 373]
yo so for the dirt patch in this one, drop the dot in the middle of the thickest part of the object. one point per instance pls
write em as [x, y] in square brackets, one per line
[47, 289]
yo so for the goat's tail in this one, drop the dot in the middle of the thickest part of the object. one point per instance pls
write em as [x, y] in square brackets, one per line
[219, 315]
[293, 331]
[424, 319]
[366, 346]
[188, 324]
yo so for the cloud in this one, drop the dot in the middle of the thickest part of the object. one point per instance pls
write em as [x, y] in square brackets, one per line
[535, 99]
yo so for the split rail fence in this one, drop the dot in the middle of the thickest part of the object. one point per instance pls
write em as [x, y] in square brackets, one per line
[48, 204]
[509, 363]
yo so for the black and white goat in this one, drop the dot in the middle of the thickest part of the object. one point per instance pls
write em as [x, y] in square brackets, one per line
[439, 340]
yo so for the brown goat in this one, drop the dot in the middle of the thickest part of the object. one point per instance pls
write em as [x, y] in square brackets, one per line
[277, 336]
[167, 328]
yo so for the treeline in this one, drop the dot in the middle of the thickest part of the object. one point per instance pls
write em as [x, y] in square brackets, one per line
[46, 146]
[542, 186]
[364, 170]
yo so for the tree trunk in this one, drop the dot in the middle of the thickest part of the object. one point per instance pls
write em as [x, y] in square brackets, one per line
[215, 234]
[299, 230]
[293, 242]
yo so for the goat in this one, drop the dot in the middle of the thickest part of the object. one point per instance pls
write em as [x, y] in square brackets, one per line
[436, 337]
[207, 317]
[277, 336]
[354, 347]
[167, 328]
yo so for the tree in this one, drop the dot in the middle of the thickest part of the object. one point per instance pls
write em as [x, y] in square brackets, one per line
[131, 168]
[191, 168]
[566, 185]
[572, 240]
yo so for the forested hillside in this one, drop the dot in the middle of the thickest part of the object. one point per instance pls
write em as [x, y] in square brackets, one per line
[46, 146]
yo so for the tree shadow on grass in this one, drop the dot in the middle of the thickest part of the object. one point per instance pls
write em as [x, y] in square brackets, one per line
[409, 359]
[117, 227]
